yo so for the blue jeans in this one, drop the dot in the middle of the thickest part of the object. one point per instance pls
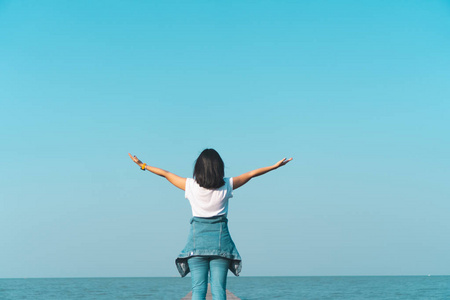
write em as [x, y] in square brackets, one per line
[218, 267]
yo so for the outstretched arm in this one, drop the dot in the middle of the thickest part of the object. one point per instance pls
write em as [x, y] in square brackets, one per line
[179, 182]
[244, 178]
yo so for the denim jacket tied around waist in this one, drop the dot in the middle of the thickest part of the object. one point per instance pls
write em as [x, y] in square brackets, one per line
[209, 237]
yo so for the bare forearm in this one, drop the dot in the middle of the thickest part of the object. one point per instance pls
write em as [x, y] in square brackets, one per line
[176, 180]
[157, 171]
[260, 171]
[179, 182]
[244, 178]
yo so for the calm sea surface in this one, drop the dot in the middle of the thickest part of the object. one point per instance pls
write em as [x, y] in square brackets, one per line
[246, 288]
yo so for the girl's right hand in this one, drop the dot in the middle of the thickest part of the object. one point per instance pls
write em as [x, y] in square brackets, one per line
[282, 162]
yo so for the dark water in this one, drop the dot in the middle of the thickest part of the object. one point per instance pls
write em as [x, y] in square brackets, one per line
[246, 288]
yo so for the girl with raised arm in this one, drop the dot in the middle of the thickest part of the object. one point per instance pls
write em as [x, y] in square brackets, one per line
[209, 248]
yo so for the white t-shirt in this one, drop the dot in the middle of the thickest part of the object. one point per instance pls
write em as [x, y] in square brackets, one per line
[208, 203]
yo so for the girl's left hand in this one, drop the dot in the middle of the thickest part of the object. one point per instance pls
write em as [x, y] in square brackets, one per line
[136, 160]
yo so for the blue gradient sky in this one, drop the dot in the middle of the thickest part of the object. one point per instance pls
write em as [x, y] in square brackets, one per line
[356, 91]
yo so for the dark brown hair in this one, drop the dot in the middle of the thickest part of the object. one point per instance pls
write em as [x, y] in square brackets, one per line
[209, 169]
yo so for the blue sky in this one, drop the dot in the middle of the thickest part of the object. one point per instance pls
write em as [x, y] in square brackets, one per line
[356, 91]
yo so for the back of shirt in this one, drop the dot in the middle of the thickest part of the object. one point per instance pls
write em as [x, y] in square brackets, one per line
[206, 203]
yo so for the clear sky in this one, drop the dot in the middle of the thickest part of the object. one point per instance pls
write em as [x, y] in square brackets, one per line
[356, 91]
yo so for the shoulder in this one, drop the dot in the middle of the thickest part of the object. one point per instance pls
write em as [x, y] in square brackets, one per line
[229, 186]
[229, 182]
[191, 185]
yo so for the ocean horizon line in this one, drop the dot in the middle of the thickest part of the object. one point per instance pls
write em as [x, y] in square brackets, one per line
[242, 276]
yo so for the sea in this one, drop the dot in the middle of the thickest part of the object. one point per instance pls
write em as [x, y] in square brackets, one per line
[246, 288]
